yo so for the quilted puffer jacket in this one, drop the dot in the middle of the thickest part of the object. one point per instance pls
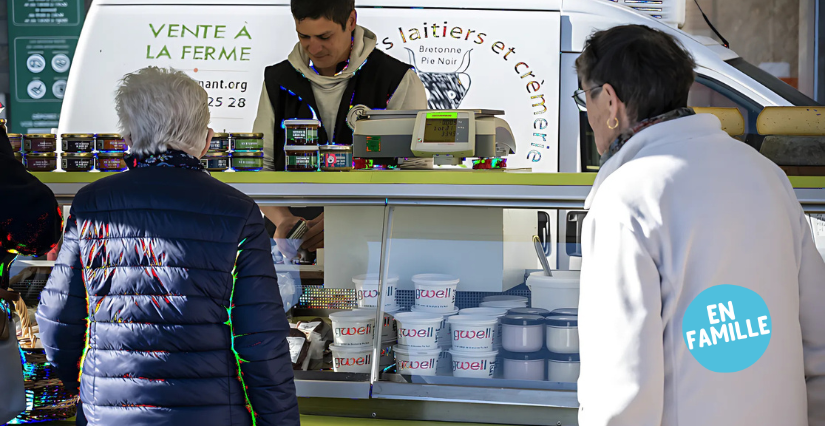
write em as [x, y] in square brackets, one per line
[165, 294]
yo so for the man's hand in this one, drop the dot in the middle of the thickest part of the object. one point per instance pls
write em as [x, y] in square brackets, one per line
[9, 296]
[314, 238]
[284, 226]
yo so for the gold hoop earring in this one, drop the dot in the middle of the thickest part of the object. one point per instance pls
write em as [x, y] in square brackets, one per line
[613, 127]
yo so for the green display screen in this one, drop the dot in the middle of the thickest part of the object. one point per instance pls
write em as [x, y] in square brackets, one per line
[440, 130]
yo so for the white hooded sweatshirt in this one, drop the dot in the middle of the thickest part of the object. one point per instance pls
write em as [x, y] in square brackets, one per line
[410, 94]
[680, 208]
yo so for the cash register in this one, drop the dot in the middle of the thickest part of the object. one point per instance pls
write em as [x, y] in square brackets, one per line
[446, 136]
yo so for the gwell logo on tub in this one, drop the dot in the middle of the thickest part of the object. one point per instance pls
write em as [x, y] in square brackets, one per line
[470, 366]
[416, 332]
[353, 331]
[472, 334]
[433, 294]
[416, 365]
[727, 328]
[367, 294]
[352, 362]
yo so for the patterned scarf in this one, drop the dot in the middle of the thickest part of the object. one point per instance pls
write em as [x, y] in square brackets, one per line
[644, 124]
[170, 158]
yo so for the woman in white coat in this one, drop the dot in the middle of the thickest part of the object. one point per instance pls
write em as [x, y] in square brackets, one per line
[681, 212]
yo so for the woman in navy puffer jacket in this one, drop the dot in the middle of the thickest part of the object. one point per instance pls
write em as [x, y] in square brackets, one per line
[164, 292]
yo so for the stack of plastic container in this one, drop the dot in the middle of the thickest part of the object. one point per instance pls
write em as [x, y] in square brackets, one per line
[367, 292]
[563, 363]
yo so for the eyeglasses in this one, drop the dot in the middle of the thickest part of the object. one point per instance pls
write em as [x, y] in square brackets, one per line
[580, 96]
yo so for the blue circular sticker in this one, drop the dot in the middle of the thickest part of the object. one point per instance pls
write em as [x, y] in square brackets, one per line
[727, 328]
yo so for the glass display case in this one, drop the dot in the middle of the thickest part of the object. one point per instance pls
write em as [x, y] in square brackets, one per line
[429, 301]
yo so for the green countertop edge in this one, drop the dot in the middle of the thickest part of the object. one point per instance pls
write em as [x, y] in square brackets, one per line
[479, 177]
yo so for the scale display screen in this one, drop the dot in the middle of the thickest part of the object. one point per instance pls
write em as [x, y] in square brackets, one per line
[445, 128]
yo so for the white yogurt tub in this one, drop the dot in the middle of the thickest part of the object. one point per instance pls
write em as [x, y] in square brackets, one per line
[443, 336]
[489, 312]
[524, 366]
[366, 291]
[389, 329]
[563, 334]
[435, 292]
[563, 368]
[352, 328]
[351, 359]
[559, 291]
[416, 362]
[473, 332]
[418, 330]
[445, 363]
[478, 365]
[522, 333]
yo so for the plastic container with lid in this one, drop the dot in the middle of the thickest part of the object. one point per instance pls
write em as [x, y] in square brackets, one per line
[472, 332]
[551, 293]
[508, 302]
[444, 330]
[563, 334]
[474, 364]
[389, 328]
[111, 142]
[563, 368]
[418, 330]
[301, 132]
[349, 359]
[301, 158]
[219, 142]
[489, 312]
[435, 292]
[111, 161]
[216, 161]
[78, 162]
[565, 312]
[16, 141]
[247, 141]
[529, 311]
[252, 161]
[524, 365]
[366, 291]
[352, 328]
[77, 142]
[336, 158]
[416, 362]
[522, 333]
[39, 143]
[41, 161]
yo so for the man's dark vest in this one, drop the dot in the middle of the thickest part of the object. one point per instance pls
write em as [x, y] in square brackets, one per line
[291, 96]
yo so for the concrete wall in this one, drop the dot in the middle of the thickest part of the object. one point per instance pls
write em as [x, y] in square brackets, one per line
[758, 30]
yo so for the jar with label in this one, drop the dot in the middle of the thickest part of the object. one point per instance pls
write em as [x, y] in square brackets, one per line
[216, 161]
[18, 156]
[336, 158]
[78, 162]
[301, 158]
[41, 161]
[16, 141]
[78, 142]
[247, 161]
[247, 141]
[111, 162]
[219, 143]
[301, 132]
[39, 143]
[111, 142]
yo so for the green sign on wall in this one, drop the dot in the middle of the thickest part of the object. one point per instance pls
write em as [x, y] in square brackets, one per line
[43, 36]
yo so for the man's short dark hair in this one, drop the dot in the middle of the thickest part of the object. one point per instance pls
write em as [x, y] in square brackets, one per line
[650, 70]
[337, 11]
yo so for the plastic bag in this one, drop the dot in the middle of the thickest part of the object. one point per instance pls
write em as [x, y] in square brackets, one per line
[289, 284]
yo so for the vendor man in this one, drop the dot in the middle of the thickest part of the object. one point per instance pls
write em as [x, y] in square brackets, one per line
[334, 66]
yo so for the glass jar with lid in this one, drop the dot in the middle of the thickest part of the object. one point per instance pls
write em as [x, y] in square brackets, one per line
[251, 161]
[219, 143]
[77, 161]
[16, 141]
[41, 161]
[111, 162]
[39, 143]
[247, 141]
[78, 142]
[301, 132]
[111, 142]
[336, 158]
[301, 158]
[216, 161]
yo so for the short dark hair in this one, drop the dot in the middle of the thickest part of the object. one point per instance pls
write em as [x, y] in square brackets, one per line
[650, 70]
[337, 11]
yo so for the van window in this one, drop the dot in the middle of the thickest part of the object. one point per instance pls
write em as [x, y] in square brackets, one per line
[705, 92]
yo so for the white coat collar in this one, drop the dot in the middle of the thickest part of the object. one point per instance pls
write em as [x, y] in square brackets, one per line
[680, 129]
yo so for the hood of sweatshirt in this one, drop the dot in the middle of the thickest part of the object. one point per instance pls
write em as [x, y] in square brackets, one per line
[363, 44]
